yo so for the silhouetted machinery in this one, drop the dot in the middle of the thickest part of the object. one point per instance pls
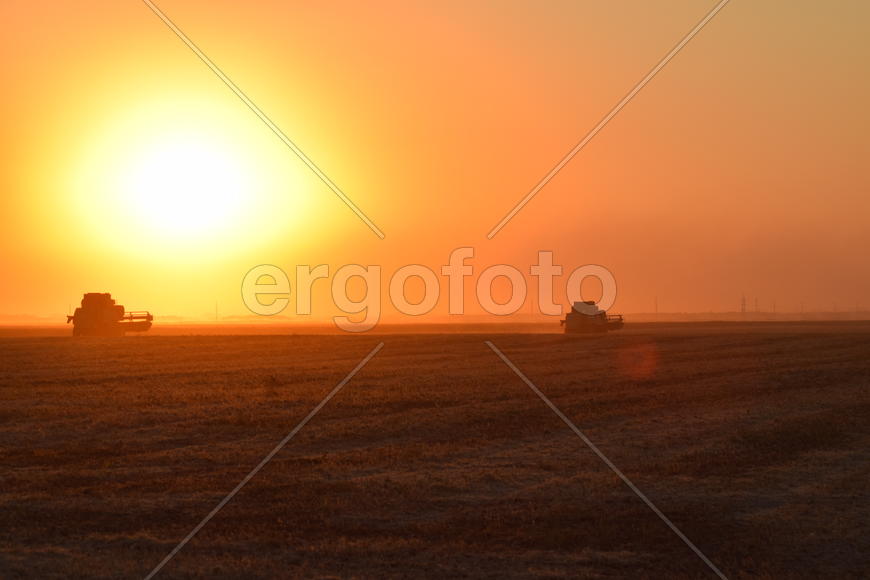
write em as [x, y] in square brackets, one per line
[100, 316]
[587, 317]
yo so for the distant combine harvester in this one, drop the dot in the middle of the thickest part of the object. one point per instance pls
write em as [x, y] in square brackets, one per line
[585, 317]
[100, 316]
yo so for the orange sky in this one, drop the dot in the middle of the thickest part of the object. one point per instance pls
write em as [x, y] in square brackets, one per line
[741, 168]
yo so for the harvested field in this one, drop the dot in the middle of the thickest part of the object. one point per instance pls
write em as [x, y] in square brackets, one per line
[436, 460]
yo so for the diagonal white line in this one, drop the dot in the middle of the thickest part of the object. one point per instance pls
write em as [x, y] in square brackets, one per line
[265, 460]
[251, 105]
[604, 458]
[613, 112]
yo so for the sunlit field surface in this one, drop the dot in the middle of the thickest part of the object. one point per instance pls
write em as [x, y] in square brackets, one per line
[436, 460]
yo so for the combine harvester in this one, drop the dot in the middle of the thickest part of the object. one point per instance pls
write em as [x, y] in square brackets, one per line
[100, 316]
[585, 317]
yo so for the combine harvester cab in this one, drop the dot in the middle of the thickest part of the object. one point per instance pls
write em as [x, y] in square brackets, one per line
[100, 316]
[586, 318]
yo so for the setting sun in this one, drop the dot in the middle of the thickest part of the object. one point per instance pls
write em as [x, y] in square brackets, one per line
[185, 188]
[188, 177]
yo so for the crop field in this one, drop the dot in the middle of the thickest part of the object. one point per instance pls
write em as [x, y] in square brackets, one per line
[436, 460]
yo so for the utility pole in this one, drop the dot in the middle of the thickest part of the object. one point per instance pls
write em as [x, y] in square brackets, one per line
[743, 304]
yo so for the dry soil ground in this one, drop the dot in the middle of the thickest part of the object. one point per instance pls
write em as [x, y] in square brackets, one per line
[436, 460]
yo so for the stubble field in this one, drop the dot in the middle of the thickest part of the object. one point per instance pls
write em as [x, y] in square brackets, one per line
[436, 460]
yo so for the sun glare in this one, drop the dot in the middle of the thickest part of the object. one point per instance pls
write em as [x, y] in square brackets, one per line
[168, 181]
[185, 188]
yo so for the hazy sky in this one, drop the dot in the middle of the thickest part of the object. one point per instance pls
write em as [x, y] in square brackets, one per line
[741, 168]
